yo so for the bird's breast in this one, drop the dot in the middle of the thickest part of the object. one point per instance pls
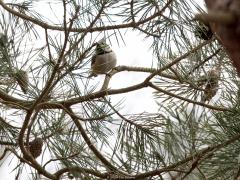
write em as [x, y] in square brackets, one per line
[104, 63]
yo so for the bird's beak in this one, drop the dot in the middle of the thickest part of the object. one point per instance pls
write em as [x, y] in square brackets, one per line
[103, 40]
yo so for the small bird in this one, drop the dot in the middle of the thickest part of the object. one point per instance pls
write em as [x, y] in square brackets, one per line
[104, 59]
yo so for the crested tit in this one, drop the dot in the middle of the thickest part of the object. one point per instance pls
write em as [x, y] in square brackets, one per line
[104, 59]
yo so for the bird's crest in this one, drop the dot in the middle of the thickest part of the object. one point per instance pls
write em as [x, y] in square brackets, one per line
[102, 47]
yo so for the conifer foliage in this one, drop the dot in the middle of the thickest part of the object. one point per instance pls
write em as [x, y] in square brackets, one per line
[65, 125]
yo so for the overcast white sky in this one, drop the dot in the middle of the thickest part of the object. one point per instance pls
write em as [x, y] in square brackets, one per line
[135, 52]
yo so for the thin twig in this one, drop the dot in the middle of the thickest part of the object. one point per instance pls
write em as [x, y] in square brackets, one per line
[91, 146]
[93, 29]
[188, 100]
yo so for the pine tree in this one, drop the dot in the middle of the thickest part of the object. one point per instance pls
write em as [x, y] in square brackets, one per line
[59, 124]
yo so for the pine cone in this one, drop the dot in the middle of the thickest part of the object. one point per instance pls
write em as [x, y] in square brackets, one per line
[3, 40]
[211, 87]
[22, 80]
[203, 31]
[210, 91]
[211, 77]
[35, 148]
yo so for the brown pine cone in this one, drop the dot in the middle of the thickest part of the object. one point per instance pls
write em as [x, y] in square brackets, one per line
[35, 148]
[209, 92]
[211, 77]
[211, 87]
[3, 40]
[203, 31]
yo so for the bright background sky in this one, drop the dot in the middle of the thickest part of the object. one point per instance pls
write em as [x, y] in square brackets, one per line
[135, 52]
